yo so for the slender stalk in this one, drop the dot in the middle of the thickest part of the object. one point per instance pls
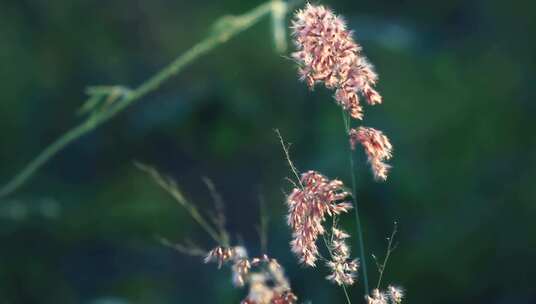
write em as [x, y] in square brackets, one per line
[331, 258]
[278, 25]
[224, 29]
[346, 294]
[218, 218]
[346, 121]
[262, 228]
[170, 186]
[289, 161]
[390, 249]
[187, 249]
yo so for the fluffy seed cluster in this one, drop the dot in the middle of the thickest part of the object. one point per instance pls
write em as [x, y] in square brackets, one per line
[377, 147]
[264, 276]
[396, 294]
[220, 255]
[239, 258]
[343, 269]
[393, 295]
[308, 207]
[271, 286]
[376, 297]
[327, 53]
[240, 270]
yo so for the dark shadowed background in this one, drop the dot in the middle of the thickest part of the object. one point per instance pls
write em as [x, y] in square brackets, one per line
[458, 83]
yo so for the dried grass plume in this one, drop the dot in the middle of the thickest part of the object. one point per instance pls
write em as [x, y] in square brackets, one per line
[377, 147]
[327, 53]
[308, 207]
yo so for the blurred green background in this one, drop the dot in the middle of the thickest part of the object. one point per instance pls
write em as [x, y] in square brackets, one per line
[458, 82]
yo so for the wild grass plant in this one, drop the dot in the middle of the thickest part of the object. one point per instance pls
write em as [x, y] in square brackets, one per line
[325, 54]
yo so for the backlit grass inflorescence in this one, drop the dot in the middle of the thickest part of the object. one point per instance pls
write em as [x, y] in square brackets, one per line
[393, 295]
[264, 275]
[308, 208]
[327, 53]
[377, 147]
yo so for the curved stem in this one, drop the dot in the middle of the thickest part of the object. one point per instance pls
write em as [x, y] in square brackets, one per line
[42, 158]
[356, 210]
[226, 28]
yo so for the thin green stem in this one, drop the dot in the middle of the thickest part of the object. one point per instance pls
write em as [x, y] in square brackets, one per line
[390, 249]
[346, 121]
[278, 25]
[289, 161]
[224, 29]
[346, 294]
[263, 225]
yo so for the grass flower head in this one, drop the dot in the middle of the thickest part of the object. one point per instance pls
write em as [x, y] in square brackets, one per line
[327, 53]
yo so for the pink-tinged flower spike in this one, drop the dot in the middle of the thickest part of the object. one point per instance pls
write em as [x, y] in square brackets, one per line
[377, 147]
[376, 297]
[396, 294]
[308, 207]
[327, 53]
[343, 270]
